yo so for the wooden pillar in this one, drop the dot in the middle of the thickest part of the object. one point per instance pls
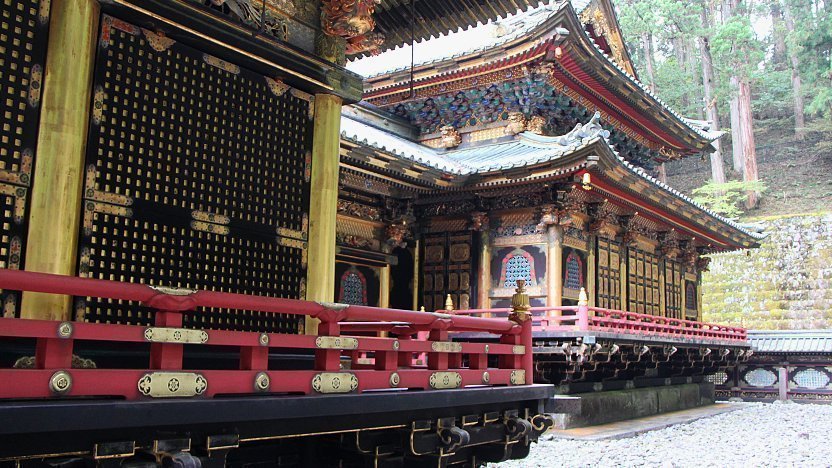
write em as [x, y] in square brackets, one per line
[384, 287]
[55, 213]
[320, 274]
[484, 275]
[554, 268]
[416, 269]
[591, 271]
[783, 382]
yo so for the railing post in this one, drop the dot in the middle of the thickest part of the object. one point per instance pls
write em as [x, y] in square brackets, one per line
[328, 359]
[521, 314]
[583, 311]
[167, 356]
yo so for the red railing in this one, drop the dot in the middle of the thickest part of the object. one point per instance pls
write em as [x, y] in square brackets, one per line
[586, 318]
[410, 333]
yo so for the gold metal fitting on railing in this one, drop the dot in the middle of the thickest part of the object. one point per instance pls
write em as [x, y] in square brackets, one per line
[583, 299]
[449, 304]
[520, 305]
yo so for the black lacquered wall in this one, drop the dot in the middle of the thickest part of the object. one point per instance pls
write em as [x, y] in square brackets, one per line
[24, 31]
[197, 177]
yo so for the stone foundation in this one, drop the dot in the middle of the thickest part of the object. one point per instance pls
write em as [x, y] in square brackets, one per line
[618, 405]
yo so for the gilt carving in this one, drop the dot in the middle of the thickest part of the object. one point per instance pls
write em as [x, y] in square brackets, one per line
[479, 221]
[352, 20]
[450, 137]
[536, 125]
[516, 123]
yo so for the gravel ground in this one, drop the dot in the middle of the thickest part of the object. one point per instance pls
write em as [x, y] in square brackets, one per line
[759, 435]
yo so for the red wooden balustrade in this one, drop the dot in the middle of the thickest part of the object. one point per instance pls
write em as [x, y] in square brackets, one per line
[409, 333]
[586, 318]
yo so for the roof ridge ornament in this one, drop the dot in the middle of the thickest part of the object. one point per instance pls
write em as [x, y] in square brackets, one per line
[583, 132]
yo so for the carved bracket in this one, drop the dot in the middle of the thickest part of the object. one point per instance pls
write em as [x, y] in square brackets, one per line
[353, 21]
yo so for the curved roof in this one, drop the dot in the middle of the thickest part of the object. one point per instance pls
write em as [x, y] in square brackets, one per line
[523, 151]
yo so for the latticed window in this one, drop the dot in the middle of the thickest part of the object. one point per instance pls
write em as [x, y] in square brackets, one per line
[574, 278]
[690, 296]
[353, 288]
[517, 266]
[760, 377]
[811, 379]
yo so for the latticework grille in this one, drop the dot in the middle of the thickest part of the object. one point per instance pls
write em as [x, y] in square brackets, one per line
[644, 294]
[197, 177]
[23, 37]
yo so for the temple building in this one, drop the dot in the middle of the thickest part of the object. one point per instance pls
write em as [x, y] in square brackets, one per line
[205, 202]
[530, 154]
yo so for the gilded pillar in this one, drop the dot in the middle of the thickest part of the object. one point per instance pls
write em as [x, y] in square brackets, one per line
[625, 292]
[384, 287]
[591, 271]
[416, 266]
[323, 203]
[662, 288]
[484, 275]
[55, 212]
[554, 268]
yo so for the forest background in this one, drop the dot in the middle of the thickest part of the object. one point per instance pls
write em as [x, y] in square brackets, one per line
[759, 70]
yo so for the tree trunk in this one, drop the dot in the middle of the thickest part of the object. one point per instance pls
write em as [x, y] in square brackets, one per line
[749, 172]
[711, 108]
[778, 34]
[647, 44]
[679, 52]
[690, 46]
[736, 135]
[799, 117]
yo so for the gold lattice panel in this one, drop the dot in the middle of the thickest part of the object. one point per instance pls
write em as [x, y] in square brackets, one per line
[643, 281]
[23, 37]
[673, 279]
[197, 176]
[448, 268]
[609, 274]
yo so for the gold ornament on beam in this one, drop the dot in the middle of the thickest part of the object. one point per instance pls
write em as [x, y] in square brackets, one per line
[520, 305]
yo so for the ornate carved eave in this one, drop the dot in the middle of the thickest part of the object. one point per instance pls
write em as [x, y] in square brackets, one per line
[639, 236]
[605, 222]
[353, 21]
[670, 246]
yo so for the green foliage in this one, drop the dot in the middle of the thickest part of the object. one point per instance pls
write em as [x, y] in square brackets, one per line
[736, 48]
[726, 198]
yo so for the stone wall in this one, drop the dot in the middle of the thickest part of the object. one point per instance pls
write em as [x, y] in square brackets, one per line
[785, 284]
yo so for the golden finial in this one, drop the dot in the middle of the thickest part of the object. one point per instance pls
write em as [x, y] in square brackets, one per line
[449, 303]
[582, 298]
[587, 181]
[520, 305]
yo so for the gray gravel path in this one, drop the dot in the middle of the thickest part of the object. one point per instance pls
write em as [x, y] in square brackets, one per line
[759, 435]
